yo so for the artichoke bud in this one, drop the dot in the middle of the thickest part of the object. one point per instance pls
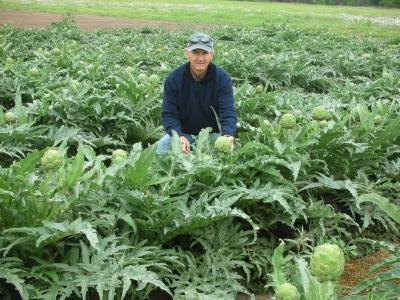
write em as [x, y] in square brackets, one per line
[119, 155]
[52, 159]
[10, 117]
[287, 291]
[327, 262]
[287, 120]
[223, 144]
[320, 113]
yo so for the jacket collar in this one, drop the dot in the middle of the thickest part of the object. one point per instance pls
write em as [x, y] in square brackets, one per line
[210, 71]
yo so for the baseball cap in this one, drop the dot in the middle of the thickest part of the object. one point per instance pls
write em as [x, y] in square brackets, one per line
[200, 40]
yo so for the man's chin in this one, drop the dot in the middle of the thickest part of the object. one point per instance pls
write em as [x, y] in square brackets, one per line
[201, 68]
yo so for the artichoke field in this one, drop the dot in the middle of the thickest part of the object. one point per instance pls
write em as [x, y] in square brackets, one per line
[89, 211]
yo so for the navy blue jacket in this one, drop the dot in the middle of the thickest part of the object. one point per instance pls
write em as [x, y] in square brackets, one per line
[187, 103]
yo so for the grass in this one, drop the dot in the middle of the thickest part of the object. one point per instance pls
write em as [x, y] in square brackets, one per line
[341, 19]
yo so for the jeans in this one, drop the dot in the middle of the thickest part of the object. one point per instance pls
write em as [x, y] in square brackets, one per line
[165, 141]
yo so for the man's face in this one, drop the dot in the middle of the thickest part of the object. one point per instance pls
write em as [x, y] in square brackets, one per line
[199, 59]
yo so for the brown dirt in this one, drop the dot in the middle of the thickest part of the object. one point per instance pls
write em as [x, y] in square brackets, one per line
[357, 269]
[23, 18]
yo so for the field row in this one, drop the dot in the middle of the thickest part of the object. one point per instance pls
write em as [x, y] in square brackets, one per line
[365, 21]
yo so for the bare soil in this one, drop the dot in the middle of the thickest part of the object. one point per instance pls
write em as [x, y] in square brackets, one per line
[31, 19]
[357, 270]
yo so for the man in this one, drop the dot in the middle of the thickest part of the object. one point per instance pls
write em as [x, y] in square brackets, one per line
[195, 94]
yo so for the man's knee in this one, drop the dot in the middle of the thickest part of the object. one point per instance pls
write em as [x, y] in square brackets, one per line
[163, 144]
[214, 136]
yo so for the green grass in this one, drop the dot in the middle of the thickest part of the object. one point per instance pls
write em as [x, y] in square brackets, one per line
[236, 13]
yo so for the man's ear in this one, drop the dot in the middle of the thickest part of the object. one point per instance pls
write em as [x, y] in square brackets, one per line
[212, 53]
[186, 52]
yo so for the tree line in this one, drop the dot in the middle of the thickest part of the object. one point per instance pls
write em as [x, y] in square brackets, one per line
[384, 3]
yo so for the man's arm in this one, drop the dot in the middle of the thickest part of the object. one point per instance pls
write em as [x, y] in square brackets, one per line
[227, 114]
[171, 116]
[170, 111]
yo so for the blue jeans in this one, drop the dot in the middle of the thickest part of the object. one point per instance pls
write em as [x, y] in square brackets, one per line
[165, 141]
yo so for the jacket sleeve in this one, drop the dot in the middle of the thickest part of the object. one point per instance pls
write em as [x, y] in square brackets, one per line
[227, 114]
[170, 112]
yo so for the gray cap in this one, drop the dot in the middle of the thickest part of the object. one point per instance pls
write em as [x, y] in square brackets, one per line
[200, 40]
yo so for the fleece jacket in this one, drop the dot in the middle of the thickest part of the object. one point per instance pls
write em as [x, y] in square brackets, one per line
[190, 105]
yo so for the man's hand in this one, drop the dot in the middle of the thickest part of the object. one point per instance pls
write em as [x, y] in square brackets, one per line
[231, 138]
[185, 144]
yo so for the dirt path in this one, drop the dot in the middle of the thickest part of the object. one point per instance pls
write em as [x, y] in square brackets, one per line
[23, 18]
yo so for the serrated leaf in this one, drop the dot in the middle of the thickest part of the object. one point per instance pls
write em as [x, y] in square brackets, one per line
[389, 275]
[137, 175]
[27, 164]
[309, 284]
[143, 277]
[1, 115]
[74, 170]
[128, 219]
[390, 133]
[278, 276]
[385, 262]
[21, 115]
[392, 210]
[17, 282]
[295, 168]
[54, 232]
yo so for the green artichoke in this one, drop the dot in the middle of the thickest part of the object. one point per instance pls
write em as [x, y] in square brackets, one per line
[287, 120]
[377, 119]
[142, 77]
[259, 88]
[52, 159]
[323, 123]
[119, 155]
[327, 262]
[130, 69]
[287, 291]
[223, 144]
[34, 71]
[10, 117]
[320, 113]
[153, 78]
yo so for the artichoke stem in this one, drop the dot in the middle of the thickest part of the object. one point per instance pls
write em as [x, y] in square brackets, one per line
[327, 290]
